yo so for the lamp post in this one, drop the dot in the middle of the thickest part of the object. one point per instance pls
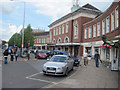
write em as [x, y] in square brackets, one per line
[23, 27]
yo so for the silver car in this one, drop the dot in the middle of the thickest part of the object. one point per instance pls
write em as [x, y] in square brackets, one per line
[58, 65]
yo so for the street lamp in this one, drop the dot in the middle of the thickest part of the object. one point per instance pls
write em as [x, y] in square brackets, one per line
[23, 27]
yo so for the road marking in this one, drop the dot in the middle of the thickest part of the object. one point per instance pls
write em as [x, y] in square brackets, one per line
[41, 80]
[34, 75]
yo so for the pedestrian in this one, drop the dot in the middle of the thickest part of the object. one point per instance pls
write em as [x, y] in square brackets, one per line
[16, 54]
[5, 56]
[28, 54]
[97, 57]
[85, 57]
[18, 51]
[12, 54]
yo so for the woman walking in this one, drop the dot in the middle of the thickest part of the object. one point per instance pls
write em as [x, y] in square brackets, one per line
[5, 56]
[97, 57]
[12, 54]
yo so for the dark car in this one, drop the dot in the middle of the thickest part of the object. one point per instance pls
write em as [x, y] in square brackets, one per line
[48, 52]
[40, 54]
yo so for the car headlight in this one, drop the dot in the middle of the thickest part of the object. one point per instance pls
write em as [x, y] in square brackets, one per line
[44, 67]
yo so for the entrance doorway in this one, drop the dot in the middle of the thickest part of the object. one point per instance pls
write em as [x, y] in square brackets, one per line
[76, 50]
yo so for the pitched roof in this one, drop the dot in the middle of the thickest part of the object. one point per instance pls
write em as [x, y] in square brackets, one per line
[86, 8]
[89, 6]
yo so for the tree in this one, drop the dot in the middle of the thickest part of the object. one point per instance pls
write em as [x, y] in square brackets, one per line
[16, 39]
[28, 36]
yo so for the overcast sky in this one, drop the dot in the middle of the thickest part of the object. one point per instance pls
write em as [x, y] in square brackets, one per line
[39, 14]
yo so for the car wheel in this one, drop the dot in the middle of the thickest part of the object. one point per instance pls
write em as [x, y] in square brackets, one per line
[72, 68]
[66, 72]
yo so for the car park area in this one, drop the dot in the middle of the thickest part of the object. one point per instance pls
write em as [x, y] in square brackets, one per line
[28, 74]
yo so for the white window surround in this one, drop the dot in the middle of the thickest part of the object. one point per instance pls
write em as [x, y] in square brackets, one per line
[94, 30]
[63, 29]
[66, 39]
[85, 34]
[98, 29]
[67, 26]
[39, 40]
[59, 40]
[107, 24]
[90, 32]
[112, 21]
[54, 32]
[75, 29]
[59, 29]
[116, 17]
[103, 27]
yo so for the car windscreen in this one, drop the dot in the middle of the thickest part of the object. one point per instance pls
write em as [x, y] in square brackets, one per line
[41, 52]
[58, 59]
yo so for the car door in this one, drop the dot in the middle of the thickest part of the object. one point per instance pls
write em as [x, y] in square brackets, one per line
[69, 63]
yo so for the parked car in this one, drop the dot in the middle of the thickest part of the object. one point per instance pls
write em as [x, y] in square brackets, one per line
[40, 54]
[58, 65]
[48, 53]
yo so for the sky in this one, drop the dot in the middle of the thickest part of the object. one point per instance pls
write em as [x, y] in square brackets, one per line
[38, 13]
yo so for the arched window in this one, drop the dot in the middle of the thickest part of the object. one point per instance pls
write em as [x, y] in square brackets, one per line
[54, 41]
[59, 40]
[66, 40]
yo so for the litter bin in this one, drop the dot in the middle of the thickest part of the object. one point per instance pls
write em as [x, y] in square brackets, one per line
[114, 64]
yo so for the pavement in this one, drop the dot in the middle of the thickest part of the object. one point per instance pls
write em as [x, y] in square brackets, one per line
[89, 77]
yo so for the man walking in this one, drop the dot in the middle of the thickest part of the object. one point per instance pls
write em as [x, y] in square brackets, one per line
[5, 56]
[97, 57]
[85, 57]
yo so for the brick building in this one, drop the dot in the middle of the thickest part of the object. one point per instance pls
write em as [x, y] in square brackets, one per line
[82, 29]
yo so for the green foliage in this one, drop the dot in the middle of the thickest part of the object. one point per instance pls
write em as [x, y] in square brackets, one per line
[16, 39]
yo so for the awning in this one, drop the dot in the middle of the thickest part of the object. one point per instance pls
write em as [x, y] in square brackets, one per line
[107, 45]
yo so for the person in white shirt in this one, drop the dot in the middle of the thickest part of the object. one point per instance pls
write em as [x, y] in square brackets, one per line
[85, 57]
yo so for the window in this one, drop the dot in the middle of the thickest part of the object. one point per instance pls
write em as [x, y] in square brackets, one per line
[39, 40]
[59, 40]
[103, 27]
[66, 27]
[107, 24]
[42, 40]
[50, 36]
[35, 41]
[54, 41]
[85, 33]
[116, 17]
[75, 29]
[98, 29]
[90, 31]
[112, 21]
[59, 29]
[94, 30]
[63, 29]
[66, 40]
[56, 31]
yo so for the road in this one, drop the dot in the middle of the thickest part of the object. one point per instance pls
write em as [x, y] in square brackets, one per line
[28, 74]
